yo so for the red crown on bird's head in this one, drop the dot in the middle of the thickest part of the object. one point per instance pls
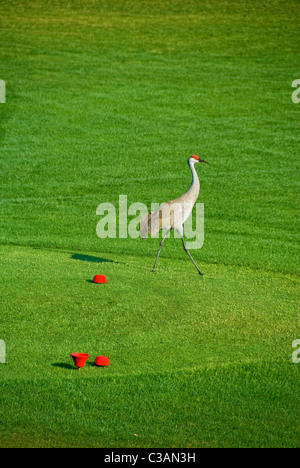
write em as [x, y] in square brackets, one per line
[195, 157]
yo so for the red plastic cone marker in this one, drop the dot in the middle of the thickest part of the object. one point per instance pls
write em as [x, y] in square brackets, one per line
[100, 279]
[79, 359]
[101, 361]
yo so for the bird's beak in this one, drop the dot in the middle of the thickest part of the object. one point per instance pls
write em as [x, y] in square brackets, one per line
[201, 160]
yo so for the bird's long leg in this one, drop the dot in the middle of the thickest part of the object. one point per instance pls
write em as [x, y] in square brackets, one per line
[160, 247]
[185, 248]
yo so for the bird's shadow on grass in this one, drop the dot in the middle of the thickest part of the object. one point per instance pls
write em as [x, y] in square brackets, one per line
[91, 259]
[63, 365]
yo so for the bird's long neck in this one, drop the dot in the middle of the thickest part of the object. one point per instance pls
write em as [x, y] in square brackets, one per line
[193, 191]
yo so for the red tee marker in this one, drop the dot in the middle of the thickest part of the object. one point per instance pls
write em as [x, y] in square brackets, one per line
[79, 359]
[100, 279]
[101, 361]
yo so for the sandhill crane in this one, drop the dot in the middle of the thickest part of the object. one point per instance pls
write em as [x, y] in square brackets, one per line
[171, 215]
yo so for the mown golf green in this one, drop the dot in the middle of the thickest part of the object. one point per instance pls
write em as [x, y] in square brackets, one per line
[110, 97]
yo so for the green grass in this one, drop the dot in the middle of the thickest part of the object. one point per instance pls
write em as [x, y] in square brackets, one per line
[111, 97]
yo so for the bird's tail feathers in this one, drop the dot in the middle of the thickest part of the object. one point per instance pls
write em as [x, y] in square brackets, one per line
[150, 224]
[145, 226]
